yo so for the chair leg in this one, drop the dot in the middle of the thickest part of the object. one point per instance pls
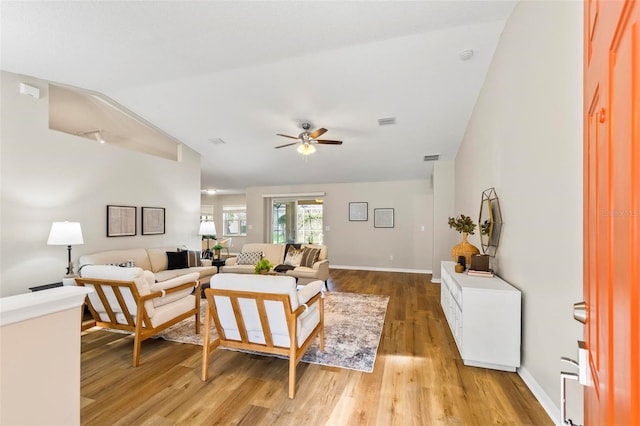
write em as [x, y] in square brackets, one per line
[198, 311]
[137, 343]
[205, 347]
[292, 373]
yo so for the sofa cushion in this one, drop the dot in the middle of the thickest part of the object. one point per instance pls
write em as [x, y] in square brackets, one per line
[158, 258]
[273, 252]
[177, 260]
[193, 258]
[138, 256]
[249, 257]
[309, 257]
[293, 256]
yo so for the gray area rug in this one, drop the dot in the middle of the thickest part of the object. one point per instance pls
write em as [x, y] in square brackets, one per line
[352, 322]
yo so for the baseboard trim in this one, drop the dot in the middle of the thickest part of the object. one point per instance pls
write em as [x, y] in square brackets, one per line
[547, 403]
[375, 268]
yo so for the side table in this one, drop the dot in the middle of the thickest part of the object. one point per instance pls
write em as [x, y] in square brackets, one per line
[218, 263]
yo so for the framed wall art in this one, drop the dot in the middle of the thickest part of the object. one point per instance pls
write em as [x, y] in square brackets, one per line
[121, 221]
[359, 211]
[152, 220]
[383, 218]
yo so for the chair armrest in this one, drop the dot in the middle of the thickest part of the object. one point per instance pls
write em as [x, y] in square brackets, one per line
[175, 282]
[321, 264]
[159, 293]
[308, 291]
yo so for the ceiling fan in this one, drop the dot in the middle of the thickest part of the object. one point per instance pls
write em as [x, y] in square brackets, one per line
[307, 139]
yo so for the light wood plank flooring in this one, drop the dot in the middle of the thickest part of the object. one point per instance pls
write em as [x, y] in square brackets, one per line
[418, 377]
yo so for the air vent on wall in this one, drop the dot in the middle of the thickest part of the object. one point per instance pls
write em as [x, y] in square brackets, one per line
[386, 121]
[433, 157]
[217, 141]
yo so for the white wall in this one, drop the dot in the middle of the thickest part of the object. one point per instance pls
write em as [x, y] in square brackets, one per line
[49, 176]
[525, 139]
[444, 238]
[359, 244]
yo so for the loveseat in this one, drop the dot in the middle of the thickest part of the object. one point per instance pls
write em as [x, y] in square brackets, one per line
[164, 266]
[276, 253]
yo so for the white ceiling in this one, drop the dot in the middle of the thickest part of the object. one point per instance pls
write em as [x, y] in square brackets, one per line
[244, 71]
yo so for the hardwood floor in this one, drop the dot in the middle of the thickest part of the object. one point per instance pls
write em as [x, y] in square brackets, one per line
[418, 377]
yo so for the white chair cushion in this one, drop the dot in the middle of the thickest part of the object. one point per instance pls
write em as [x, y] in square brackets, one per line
[142, 279]
[275, 312]
[169, 311]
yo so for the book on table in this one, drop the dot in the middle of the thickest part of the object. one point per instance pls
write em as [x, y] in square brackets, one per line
[476, 273]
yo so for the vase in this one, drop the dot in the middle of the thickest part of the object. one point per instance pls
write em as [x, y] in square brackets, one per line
[465, 249]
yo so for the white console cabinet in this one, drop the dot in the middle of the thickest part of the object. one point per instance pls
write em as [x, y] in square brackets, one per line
[484, 316]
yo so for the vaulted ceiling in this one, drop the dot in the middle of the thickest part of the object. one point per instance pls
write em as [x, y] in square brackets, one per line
[242, 71]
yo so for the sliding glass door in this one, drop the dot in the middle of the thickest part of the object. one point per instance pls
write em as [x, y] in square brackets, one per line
[296, 221]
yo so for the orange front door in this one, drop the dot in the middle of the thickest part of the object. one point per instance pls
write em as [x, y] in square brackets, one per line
[612, 210]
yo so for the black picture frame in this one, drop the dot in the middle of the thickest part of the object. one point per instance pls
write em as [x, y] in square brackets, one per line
[383, 218]
[121, 221]
[359, 211]
[153, 220]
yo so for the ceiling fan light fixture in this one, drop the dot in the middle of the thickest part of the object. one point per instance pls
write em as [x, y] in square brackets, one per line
[306, 149]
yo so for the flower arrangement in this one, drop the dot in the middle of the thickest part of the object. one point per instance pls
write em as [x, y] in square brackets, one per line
[462, 224]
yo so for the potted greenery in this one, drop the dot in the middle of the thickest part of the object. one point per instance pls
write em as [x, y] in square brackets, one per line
[464, 225]
[263, 267]
[216, 251]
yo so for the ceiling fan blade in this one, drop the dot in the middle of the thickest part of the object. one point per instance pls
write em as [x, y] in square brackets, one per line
[318, 132]
[287, 144]
[287, 136]
[328, 142]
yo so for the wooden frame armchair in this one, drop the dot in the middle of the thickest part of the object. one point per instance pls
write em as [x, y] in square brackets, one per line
[263, 314]
[129, 299]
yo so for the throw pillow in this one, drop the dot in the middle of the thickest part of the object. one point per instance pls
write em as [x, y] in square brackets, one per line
[193, 257]
[177, 259]
[293, 256]
[286, 248]
[309, 257]
[249, 258]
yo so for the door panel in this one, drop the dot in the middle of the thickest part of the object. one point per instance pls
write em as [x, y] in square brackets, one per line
[612, 211]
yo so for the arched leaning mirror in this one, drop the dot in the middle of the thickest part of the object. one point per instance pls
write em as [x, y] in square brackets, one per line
[490, 222]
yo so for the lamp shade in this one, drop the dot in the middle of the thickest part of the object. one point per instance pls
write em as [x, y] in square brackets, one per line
[207, 228]
[65, 234]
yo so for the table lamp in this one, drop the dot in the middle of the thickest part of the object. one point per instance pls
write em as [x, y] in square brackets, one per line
[207, 228]
[66, 234]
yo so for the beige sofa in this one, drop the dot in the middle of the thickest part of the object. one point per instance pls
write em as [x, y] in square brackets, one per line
[276, 253]
[151, 259]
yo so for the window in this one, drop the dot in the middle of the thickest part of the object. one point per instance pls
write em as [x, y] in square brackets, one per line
[296, 220]
[234, 221]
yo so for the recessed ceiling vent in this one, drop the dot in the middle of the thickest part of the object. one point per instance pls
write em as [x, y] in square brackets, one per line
[217, 141]
[433, 157]
[387, 121]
